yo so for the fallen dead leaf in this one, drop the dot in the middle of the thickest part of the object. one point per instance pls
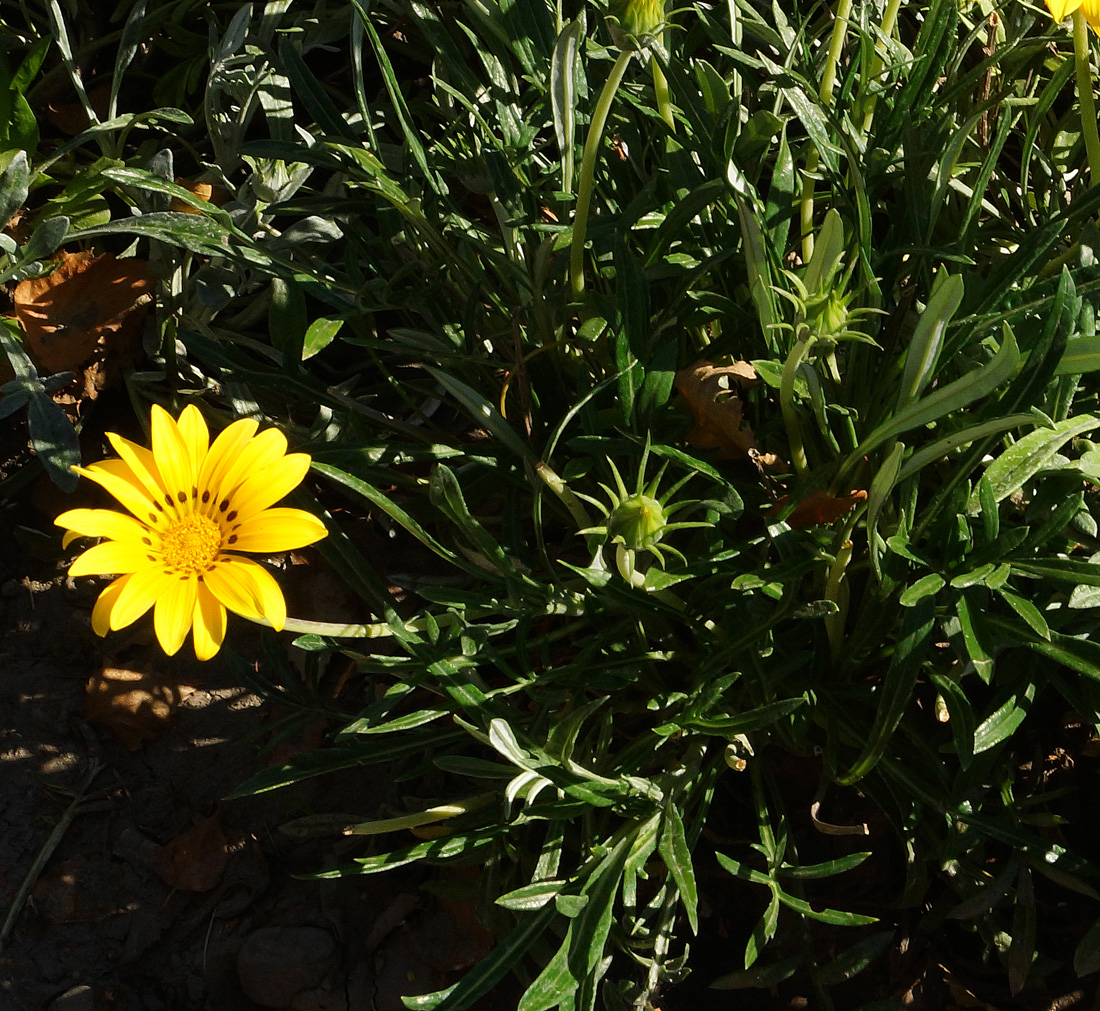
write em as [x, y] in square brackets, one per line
[72, 117]
[713, 393]
[133, 705]
[85, 316]
[818, 507]
[215, 195]
[196, 859]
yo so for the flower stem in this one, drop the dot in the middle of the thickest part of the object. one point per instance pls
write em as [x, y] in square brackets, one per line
[828, 82]
[588, 168]
[381, 629]
[889, 19]
[1084, 94]
[786, 403]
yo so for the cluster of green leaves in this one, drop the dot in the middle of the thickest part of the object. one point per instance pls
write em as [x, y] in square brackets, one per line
[390, 281]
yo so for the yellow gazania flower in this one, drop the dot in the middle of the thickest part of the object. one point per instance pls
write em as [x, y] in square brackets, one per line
[1062, 9]
[192, 505]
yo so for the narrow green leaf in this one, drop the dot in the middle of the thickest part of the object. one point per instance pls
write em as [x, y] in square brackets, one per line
[14, 185]
[483, 413]
[897, 687]
[926, 586]
[835, 916]
[563, 97]
[753, 719]
[533, 896]
[1003, 721]
[1086, 958]
[803, 872]
[854, 960]
[676, 854]
[1035, 451]
[945, 400]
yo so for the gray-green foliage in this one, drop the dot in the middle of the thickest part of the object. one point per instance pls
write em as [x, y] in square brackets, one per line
[391, 271]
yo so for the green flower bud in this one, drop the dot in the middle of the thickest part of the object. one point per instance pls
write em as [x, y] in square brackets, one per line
[638, 522]
[636, 24]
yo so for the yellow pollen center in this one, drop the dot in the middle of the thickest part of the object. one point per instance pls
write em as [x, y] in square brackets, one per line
[191, 543]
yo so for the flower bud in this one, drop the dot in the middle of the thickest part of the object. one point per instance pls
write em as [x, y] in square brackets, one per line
[636, 24]
[638, 522]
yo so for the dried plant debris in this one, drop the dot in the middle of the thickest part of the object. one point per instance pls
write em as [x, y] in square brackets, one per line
[86, 316]
[714, 396]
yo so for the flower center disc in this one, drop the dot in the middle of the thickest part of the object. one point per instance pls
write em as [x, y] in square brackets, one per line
[191, 543]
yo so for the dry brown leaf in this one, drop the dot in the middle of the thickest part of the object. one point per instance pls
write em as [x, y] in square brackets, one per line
[90, 308]
[72, 117]
[196, 859]
[134, 706]
[818, 507]
[713, 393]
[204, 191]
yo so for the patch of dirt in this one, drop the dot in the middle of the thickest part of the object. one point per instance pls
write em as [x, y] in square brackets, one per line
[145, 890]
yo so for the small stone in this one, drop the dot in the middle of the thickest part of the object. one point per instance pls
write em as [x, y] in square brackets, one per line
[275, 964]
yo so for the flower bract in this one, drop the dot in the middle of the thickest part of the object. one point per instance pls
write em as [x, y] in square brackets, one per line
[192, 506]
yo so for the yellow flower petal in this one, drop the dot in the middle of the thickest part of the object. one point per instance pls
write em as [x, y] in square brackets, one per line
[247, 589]
[142, 466]
[110, 558]
[173, 456]
[196, 436]
[115, 477]
[225, 450]
[101, 523]
[138, 594]
[105, 603]
[1062, 9]
[261, 490]
[1091, 10]
[209, 620]
[256, 460]
[174, 612]
[277, 530]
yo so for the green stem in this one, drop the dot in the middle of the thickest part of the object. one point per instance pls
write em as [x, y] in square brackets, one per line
[828, 82]
[889, 19]
[381, 629]
[834, 623]
[660, 89]
[588, 169]
[1084, 94]
[786, 403]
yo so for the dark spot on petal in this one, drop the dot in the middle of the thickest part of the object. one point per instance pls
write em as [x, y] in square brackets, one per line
[231, 516]
[168, 499]
[201, 578]
[194, 493]
[160, 508]
[152, 517]
[183, 579]
[236, 526]
[151, 558]
[223, 505]
[182, 496]
[206, 496]
[232, 538]
[145, 540]
[210, 568]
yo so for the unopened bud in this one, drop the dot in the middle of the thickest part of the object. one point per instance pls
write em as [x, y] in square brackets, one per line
[638, 522]
[636, 24]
